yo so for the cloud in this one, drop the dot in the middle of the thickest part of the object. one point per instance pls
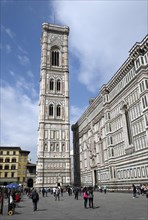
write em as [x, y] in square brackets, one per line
[8, 31]
[19, 118]
[12, 73]
[8, 48]
[21, 49]
[101, 34]
[76, 113]
[30, 74]
[24, 60]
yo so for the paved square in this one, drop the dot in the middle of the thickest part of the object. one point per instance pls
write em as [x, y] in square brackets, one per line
[110, 206]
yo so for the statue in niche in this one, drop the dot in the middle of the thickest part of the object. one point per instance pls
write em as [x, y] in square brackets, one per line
[57, 148]
[52, 148]
[59, 179]
[92, 148]
[63, 148]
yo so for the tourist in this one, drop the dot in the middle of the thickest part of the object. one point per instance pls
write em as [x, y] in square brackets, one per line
[85, 197]
[134, 191]
[35, 199]
[90, 198]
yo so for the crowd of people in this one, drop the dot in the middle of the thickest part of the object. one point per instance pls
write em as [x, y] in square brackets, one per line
[87, 193]
[13, 196]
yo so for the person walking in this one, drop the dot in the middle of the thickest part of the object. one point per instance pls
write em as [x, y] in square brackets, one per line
[104, 189]
[85, 197]
[134, 191]
[57, 194]
[90, 198]
[76, 193]
[35, 199]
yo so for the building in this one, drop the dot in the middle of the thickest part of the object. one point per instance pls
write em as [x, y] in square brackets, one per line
[31, 175]
[53, 152]
[110, 140]
[13, 161]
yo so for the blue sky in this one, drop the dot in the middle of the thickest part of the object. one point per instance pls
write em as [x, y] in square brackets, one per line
[101, 34]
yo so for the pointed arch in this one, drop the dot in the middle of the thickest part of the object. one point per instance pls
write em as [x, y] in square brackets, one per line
[55, 56]
[51, 84]
[51, 110]
[58, 110]
[58, 85]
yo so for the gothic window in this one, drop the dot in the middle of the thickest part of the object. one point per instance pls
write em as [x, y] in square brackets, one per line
[55, 57]
[58, 110]
[51, 85]
[51, 110]
[58, 85]
[112, 151]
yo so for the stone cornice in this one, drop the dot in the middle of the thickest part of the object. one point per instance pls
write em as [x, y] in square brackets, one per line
[55, 28]
[139, 48]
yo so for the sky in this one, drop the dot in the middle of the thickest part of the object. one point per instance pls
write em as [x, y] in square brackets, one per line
[101, 35]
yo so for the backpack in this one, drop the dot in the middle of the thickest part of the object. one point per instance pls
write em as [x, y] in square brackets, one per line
[35, 196]
[85, 196]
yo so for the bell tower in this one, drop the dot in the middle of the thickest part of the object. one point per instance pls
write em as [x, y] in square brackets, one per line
[53, 151]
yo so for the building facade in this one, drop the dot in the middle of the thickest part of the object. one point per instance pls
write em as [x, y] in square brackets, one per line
[13, 162]
[31, 175]
[111, 137]
[53, 152]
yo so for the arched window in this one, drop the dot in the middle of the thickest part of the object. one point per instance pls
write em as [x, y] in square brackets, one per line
[7, 160]
[55, 58]
[51, 85]
[58, 110]
[55, 55]
[6, 167]
[13, 160]
[51, 110]
[13, 167]
[58, 85]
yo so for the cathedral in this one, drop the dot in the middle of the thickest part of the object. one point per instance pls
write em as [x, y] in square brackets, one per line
[53, 151]
[111, 137]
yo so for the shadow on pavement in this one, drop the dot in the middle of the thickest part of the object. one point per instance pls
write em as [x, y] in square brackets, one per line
[42, 210]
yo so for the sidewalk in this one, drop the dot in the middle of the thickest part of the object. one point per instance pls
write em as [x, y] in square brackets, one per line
[110, 206]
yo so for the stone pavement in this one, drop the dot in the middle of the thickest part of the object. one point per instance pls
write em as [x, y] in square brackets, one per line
[110, 206]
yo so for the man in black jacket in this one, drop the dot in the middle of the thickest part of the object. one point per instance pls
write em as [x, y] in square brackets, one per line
[35, 199]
